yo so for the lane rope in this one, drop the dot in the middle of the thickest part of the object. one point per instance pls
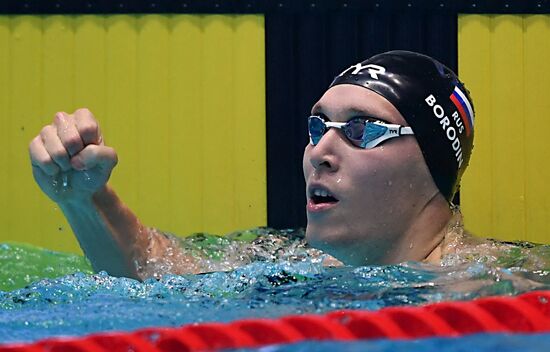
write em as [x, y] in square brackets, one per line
[526, 313]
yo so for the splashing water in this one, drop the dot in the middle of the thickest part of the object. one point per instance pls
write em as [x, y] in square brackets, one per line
[264, 274]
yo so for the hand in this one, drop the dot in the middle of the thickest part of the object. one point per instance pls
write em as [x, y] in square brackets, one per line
[69, 159]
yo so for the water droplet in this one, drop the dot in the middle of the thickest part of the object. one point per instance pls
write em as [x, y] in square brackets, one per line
[411, 245]
[390, 183]
[339, 180]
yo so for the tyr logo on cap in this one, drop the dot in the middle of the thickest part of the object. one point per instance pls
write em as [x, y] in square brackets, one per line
[373, 70]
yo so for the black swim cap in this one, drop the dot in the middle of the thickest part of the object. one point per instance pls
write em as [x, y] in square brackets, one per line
[434, 103]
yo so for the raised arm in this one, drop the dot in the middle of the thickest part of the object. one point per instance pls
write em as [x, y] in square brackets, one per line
[72, 164]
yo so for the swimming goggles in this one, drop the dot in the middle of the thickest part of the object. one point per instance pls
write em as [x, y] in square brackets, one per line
[359, 131]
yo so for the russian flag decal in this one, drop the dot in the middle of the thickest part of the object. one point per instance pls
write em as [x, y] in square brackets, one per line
[464, 109]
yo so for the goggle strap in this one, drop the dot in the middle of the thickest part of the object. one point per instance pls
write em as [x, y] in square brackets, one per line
[405, 130]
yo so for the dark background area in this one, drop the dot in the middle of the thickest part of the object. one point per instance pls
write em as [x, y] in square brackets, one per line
[304, 52]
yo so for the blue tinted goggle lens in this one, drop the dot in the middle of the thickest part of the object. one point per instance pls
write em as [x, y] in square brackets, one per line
[316, 128]
[354, 130]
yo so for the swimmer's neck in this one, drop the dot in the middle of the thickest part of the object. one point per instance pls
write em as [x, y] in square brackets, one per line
[425, 237]
[438, 243]
[453, 232]
[434, 257]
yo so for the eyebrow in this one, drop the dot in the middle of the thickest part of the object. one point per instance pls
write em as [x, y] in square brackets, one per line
[318, 110]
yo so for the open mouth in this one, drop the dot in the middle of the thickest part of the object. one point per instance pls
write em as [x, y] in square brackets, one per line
[321, 196]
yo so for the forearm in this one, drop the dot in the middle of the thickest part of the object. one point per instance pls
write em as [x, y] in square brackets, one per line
[114, 239]
[110, 235]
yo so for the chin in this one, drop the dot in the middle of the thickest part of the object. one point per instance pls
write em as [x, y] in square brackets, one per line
[330, 241]
[319, 236]
[347, 248]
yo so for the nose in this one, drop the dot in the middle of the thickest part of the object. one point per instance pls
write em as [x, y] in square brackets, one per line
[323, 156]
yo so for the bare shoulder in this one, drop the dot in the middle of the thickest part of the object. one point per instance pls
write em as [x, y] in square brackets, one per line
[461, 246]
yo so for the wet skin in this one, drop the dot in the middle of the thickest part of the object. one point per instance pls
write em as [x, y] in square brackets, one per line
[384, 195]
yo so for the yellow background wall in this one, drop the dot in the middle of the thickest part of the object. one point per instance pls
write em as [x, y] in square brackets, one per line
[504, 61]
[181, 98]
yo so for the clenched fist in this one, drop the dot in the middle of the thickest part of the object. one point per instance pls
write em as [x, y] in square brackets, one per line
[69, 159]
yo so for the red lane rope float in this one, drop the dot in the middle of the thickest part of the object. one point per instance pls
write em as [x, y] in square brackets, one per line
[527, 313]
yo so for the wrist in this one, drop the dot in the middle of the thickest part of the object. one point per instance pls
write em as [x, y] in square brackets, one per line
[75, 201]
[86, 199]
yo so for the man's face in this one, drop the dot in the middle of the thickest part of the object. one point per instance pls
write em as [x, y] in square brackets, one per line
[377, 192]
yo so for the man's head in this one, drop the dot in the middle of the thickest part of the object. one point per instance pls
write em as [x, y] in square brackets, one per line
[363, 203]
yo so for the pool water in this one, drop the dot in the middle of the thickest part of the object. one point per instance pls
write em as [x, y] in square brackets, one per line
[48, 294]
[22, 264]
[479, 342]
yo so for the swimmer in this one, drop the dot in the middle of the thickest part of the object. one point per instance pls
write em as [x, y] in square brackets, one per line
[389, 142]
